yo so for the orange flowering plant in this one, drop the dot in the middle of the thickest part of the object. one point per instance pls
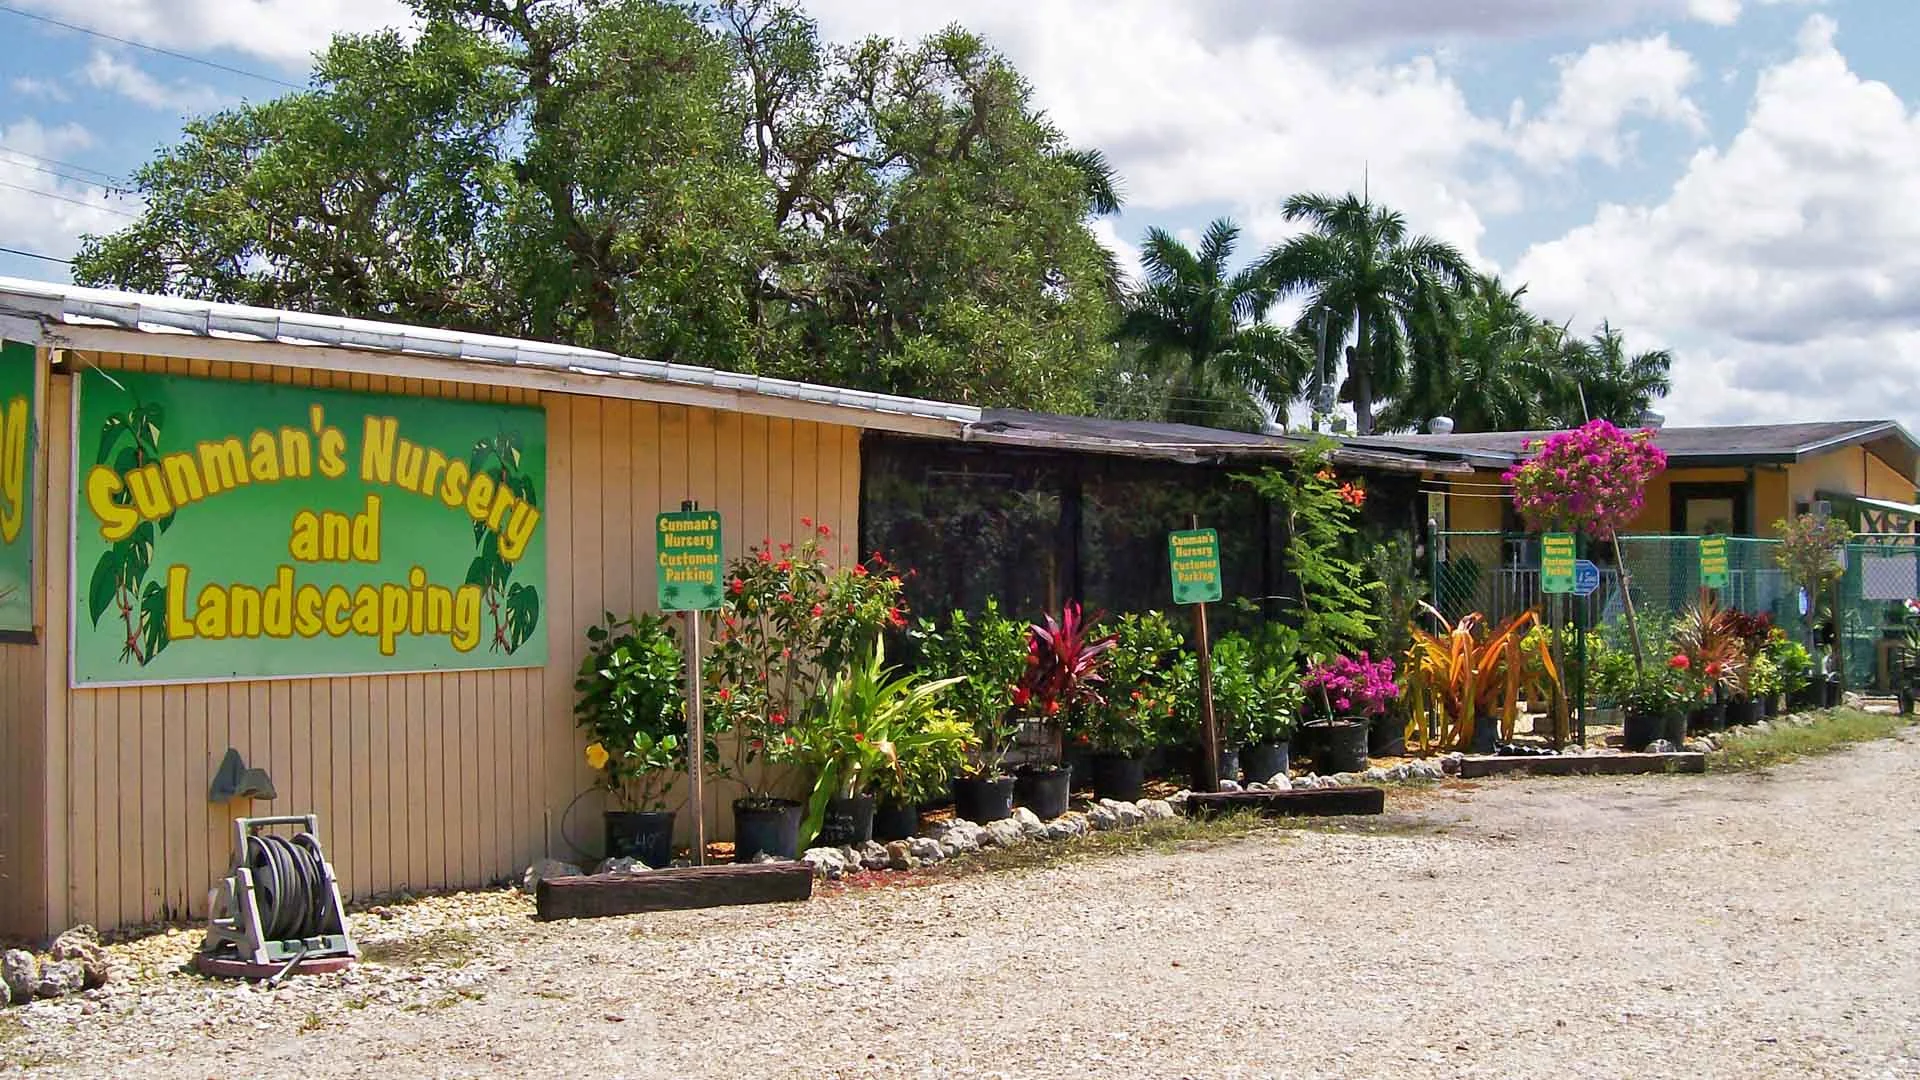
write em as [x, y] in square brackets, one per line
[793, 620]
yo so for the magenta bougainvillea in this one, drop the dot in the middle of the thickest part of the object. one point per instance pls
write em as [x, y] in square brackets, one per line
[1589, 480]
[1351, 686]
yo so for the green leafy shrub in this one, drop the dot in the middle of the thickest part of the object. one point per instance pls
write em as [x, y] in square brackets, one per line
[1143, 684]
[988, 653]
[632, 707]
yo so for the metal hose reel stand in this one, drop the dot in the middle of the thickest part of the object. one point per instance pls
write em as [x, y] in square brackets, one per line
[278, 912]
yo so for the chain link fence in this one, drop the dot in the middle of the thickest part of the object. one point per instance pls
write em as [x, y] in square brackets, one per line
[1498, 574]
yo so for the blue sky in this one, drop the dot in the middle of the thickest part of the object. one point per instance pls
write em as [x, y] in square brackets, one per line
[1731, 179]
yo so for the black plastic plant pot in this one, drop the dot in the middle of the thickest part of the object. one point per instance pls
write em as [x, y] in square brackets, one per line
[1156, 762]
[1486, 734]
[771, 826]
[1264, 761]
[1708, 718]
[1830, 694]
[1743, 713]
[1676, 727]
[1643, 730]
[1080, 759]
[1228, 764]
[646, 835]
[892, 821]
[983, 800]
[847, 822]
[1305, 744]
[1043, 789]
[1118, 775]
[1341, 746]
[1386, 737]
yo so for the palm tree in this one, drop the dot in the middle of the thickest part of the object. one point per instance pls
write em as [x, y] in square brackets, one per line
[1494, 366]
[1202, 331]
[1368, 278]
[1617, 386]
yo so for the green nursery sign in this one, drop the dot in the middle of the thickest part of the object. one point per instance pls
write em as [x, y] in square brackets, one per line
[688, 553]
[1557, 570]
[227, 529]
[1713, 562]
[1195, 559]
[17, 370]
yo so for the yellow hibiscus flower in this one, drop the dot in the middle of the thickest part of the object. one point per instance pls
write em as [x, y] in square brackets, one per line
[597, 756]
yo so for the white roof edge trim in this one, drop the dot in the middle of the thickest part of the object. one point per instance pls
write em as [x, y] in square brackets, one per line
[141, 313]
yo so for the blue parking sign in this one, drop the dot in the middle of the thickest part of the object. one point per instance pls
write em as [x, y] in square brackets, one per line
[1586, 578]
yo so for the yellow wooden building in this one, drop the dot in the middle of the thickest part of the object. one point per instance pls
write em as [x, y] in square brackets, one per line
[444, 774]
[1737, 480]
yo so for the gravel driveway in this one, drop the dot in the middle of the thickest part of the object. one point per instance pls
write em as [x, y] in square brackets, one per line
[1717, 926]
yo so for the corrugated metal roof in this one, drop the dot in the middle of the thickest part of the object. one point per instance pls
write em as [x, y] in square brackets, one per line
[1728, 444]
[1173, 442]
[56, 305]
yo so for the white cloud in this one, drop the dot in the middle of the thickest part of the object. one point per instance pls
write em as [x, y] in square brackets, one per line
[285, 32]
[105, 71]
[1599, 91]
[28, 86]
[1784, 268]
[42, 212]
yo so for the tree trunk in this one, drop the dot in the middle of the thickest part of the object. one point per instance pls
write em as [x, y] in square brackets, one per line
[1362, 374]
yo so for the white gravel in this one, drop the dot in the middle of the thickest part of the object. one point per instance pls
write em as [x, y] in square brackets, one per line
[1744, 926]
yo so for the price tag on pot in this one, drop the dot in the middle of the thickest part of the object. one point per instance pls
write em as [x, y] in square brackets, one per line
[690, 561]
[1195, 558]
[1556, 563]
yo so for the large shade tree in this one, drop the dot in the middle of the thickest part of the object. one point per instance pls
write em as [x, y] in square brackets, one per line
[1198, 330]
[1485, 361]
[1369, 278]
[1612, 383]
[708, 184]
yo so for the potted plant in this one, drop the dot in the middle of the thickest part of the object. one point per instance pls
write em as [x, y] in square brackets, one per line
[1065, 669]
[1142, 689]
[868, 717]
[1264, 723]
[1346, 693]
[631, 705]
[1705, 633]
[1610, 677]
[988, 653]
[1752, 631]
[792, 622]
[1656, 705]
[922, 769]
[1464, 682]
[1795, 667]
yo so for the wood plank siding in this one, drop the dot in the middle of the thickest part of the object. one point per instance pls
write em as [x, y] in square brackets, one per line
[420, 781]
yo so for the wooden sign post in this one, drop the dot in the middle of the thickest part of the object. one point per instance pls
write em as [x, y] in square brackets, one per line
[1194, 558]
[691, 561]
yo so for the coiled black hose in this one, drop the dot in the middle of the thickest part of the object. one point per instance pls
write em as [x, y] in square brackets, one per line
[290, 886]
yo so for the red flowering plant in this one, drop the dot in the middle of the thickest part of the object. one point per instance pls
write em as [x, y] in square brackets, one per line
[1590, 480]
[792, 621]
[1142, 687]
[1066, 665]
[1706, 637]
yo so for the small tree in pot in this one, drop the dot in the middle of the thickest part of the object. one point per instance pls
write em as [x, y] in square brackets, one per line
[1347, 693]
[988, 653]
[1065, 669]
[1261, 699]
[921, 771]
[1136, 711]
[793, 621]
[631, 705]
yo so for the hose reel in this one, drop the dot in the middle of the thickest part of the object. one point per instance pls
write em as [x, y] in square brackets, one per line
[279, 909]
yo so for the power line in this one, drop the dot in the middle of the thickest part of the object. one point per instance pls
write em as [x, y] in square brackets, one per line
[34, 255]
[67, 199]
[102, 174]
[11, 10]
[109, 188]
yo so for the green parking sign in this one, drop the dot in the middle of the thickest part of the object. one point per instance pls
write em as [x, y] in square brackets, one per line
[1195, 559]
[690, 559]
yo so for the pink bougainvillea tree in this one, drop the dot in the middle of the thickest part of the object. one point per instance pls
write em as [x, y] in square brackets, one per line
[1590, 480]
